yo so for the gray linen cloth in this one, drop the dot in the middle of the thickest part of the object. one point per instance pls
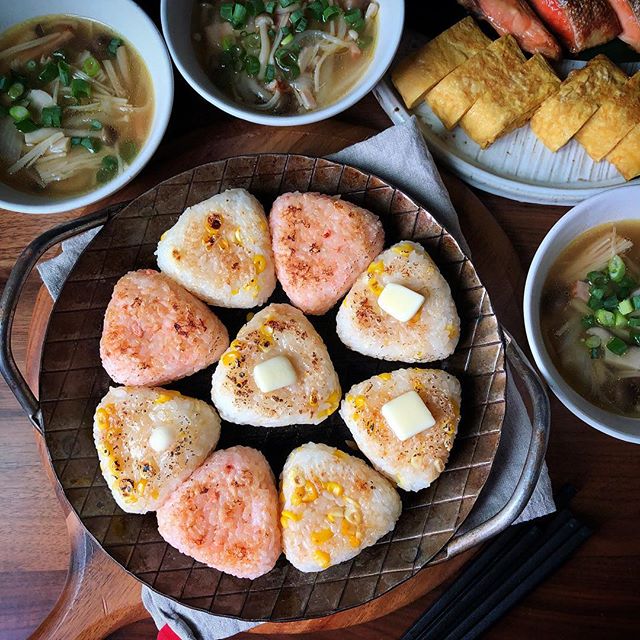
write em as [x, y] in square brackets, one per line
[400, 156]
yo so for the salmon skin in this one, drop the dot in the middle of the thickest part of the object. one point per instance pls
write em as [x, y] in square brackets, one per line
[628, 12]
[517, 18]
[580, 24]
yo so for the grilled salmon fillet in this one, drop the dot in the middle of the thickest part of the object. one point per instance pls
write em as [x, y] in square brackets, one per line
[562, 115]
[628, 12]
[517, 18]
[580, 24]
[418, 73]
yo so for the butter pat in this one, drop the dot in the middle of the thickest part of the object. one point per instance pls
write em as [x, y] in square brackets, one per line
[400, 302]
[160, 439]
[274, 374]
[407, 415]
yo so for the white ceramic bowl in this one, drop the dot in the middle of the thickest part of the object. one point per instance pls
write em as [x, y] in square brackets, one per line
[176, 26]
[616, 204]
[127, 19]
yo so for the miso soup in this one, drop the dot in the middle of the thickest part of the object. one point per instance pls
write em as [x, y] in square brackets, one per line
[283, 56]
[590, 316]
[76, 104]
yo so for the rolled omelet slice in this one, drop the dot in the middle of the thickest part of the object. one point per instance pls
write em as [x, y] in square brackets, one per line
[490, 68]
[149, 441]
[612, 121]
[220, 250]
[418, 73]
[430, 334]
[333, 506]
[277, 372]
[626, 154]
[504, 108]
[413, 463]
[562, 115]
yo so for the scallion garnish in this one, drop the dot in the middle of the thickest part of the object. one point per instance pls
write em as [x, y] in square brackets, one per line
[108, 169]
[15, 90]
[114, 45]
[252, 66]
[605, 318]
[64, 73]
[255, 7]
[616, 268]
[96, 125]
[80, 88]
[593, 342]
[31, 66]
[286, 3]
[588, 321]
[288, 39]
[354, 19]
[621, 320]
[270, 7]
[19, 113]
[48, 73]
[330, 13]
[625, 307]
[239, 16]
[226, 11]
[26, 126]
[91, 66]
[295, 16]
[316, 9]
[301, 25]
[634, 323]
[128, 150]
[270, 73]
[93, 145]
[52, 116]
[635, 300]
[617, 346]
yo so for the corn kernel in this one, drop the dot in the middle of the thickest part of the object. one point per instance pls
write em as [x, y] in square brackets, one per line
[102, 418]
[284, 522]
[313, 399]
[230, 358]
[452, 331]
[297, 495]
[235, 292]
[223, 243]
[403, 249]
[334, 488]
[353, 541]
[290, 515]
[320, 536]
[339, 454]
[236, 345]
[347, 528]
[310, 492]
[384, 376]
[281, 497]
[322, 558]
[359, 402]
[165, 396]
[374, 286]
[155, 494]
[237, 236]
[376, 267]
[260, 263]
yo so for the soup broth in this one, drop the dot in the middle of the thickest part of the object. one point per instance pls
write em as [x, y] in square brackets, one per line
[590, 316]
[76, 104]
[284, 56]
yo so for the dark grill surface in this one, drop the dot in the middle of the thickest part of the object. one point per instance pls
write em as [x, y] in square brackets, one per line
[72, 383]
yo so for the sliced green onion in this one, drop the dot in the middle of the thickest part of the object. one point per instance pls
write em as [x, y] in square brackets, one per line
[19, 113]
[605, 318]
[31, 66]
[287, 40]
[316, 8]
[364, 41]
[228, 42]
[617, 346]
[48, 73]
[252, 42]
[270, 7]
[354, 19]
[627, 282]
[621, 321]
[64, 73]
[128, 150]
[594, 303]
[114, 45]
[295, 16]
[616, 268]
[239, 17]
[635, 300]
[255, 7]
[593, 342]
[635, 338]
[252, 66]
[52, 116]
[597, 278]
[80, 88]
[96, 125]
[91, 66]
[108, 169]
[597, 292]
[286, 3]
[270, 73]
[595, 353]
[93, 145]
[610, 303]
[226, 11]
[26, 126]
[588, 321]
[634, 323]
[330, 13]
[15, 90]
[625, 307]
[4, 82]
[75, 141]
[301, 25]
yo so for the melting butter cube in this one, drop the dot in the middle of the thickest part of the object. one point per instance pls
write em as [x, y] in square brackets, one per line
[274, 374]
[160, 439]
[407, 415]
[400, 302]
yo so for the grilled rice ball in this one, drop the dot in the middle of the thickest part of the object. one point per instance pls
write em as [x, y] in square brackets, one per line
[220, 250]
[333, 506]
[149, 441]
[413, 464]
[156, 332]
[226, 514]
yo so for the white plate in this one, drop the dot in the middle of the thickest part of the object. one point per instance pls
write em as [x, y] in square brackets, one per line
[518, 166]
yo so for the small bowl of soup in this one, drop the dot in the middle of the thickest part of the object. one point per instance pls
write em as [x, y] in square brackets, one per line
[282, 62]
[86, 90]
[582, 311]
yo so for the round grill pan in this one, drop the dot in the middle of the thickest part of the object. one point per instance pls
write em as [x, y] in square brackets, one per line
[72, 382]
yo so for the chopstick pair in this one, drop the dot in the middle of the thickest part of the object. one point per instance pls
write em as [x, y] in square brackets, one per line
[511, 566]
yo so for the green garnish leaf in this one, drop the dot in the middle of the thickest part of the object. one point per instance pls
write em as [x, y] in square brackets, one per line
[610, 303]
[588, 321]
[80, 88]
[270, 73]
[93, 145]
[286, 3]
[226, 11]
[354, 19]
[91, 66]
[616, 268]
[255, 7]
[617, 346]
[52, 116]
[128, 150]
[635, 300]
[31, 66]
[239, 16]
[114, 45]
[288, 39]
[64, 73]
[330, 13]
[625, 307]
[270, 7]
[252, 66]
[75, 141]
[634, 323]
[15, 90]
[48, 73]
[301, 25]
[605, 318]
[316, 9]
[108, 169]
[26, 126]
[96, 125]
[19, 113]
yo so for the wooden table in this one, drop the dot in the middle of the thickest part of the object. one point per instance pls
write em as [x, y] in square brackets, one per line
[596, 595]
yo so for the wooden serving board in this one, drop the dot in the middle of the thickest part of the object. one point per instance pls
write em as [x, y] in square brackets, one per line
[99, 596]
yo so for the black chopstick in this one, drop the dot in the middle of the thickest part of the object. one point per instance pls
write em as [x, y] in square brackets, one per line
[542, 571]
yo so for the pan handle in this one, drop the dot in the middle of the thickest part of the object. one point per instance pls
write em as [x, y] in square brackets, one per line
[11, 294]
[533, 462]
